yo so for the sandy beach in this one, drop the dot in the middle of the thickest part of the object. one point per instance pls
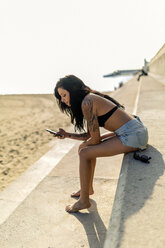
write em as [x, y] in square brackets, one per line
[23, 139]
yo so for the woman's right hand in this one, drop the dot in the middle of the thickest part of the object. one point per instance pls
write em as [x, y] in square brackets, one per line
[61, 134]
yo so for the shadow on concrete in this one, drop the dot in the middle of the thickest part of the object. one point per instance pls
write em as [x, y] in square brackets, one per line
[140, 181]
[93, 225]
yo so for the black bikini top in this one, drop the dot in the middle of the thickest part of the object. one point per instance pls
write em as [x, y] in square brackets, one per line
[102, 118]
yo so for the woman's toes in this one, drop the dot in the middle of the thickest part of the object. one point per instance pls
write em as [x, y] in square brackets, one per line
[75, 194]
[71, 209]
[77, 206]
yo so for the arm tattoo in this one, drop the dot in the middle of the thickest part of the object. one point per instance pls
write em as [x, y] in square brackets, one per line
[83, 136]
[89, 114]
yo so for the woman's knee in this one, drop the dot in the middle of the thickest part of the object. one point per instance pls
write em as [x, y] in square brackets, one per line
[80, 147]
[85, 153]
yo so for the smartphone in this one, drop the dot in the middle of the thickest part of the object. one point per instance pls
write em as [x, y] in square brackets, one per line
[53, 132]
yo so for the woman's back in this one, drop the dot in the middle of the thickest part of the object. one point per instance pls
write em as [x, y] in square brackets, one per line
[102, 106]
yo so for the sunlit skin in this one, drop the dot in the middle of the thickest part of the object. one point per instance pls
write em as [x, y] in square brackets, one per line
[94, 144]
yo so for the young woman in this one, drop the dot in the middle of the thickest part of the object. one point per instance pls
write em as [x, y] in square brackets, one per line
[89, 109]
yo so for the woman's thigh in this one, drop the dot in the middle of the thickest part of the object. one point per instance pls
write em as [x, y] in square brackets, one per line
[110, 147]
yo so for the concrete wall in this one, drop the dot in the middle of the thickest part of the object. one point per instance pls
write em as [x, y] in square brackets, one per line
[157, 63]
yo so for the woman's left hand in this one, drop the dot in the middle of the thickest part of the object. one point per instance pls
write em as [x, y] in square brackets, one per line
[61, 134]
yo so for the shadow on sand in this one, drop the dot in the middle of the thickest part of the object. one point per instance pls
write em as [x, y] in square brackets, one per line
[93, 225]
[139, 184]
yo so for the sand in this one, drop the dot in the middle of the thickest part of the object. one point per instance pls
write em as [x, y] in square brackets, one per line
[23, 139]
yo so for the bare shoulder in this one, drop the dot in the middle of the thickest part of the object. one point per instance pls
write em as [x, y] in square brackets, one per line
[88, 102]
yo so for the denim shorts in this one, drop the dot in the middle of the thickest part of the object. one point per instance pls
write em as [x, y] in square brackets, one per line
[133, 134]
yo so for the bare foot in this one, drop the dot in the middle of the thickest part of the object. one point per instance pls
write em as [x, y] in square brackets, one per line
[77, 194]
[77, 206]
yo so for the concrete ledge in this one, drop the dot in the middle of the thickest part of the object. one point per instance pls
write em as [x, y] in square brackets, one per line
[112, 236]
[15, 193]
[158, 77]
[132, 219]
[137, 218]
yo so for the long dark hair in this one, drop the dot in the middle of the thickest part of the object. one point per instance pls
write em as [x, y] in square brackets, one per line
[77, 90]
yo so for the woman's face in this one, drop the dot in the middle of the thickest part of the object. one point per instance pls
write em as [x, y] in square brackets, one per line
[65, 96]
